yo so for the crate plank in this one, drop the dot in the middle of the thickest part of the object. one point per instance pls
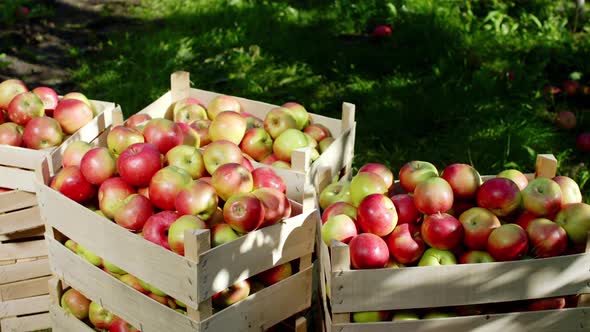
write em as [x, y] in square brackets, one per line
[19, 250]
[27, 323]
[29, 233]
[61, 321]
[26, 306]
[24, 270]
[23, 289]
[19, 221]
[15, 156]
[15, 200]
[16, 178]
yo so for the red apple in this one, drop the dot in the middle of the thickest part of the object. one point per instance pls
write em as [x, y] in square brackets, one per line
[98, 165]
[542, 197]
[198, 199]
[570, 191]
[138, 163]
[368, 251]
[433, 195]
[415, 172]
[134, 212]
[71, 183]
[478, 223]
[276, 205]
[25, 107]
[121, 137]
[81, 97]
[575, 219]
[75, 303]
[266, 177]
[475, 256]
[138, 121]
[381, 31]
[376, 214]
[340, 227]
[464, 180]
[165, 186]
[583, 142]
[566, 120]
[11, 134]
[499, 195]
[406, 209]
[190, 136]
[243, 212]
[318, 131]
[100, 317]
[41, 133]
[405, 243]
[74, 152]
[119, 325]
[524, 219]
[133, 282]
[188, 110]
[515, 175]
[112, 194]
[160, 299]
[508, 242]
[177, 229]
[221, 152]
[570, 87]
[257, 143]
[202, 129]
[235, 293]
[49, 98]
[547, 238]
[459, 207]
[188, 158]
[340, 208]
[276, 274]
[163, 133]
[156, 228]
[365, 184]
[247, 163]
[231, 179]
[228, 126]
[270, 159]
[223, 103]
[10, 89]
[442, 231]
[553, 303]
[72, 114]
[380, 170]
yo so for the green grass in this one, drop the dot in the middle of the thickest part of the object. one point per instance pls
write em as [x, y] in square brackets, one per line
[438, 90]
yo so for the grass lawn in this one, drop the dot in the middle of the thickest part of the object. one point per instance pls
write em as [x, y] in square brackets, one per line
[458, 81]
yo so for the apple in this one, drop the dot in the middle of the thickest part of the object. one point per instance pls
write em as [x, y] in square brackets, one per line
[508, 242]
[370, 316]
[198, 199]
[160, 299]
[177, 229]
[244, 212]
[570, 191]
[49, 98]
[380, 170]
[336, 192]
[188, 110]
[139, 163]
[463, 179]
[433, 257]
[276, 274]
[311, 142]
[228, 126]
[257, 143]
[188, 158]
[278, 120]
[202, 129]
[252, 121]
[25, 107]
[340, 228]
[442, 231]
[405, 243]
[98, 165]
[150, 288]
[281, 164]
[515, 175]
[138, 121]
[221, 234]
[276, 205]
[223, 103]
[133, 282]
[583, 142]
[221, 152]
[319, 132]
[74, 152]
[235, 293]
[156, 230]
[376, 214]
[406, 209]
[75, 303]
[270, 159]
[433, 195]
[72, 114]
[11, 134]
[575, 219]
[121, 137]
[266, 177]
[10, 89]
[299, 113]
[524, 219]
[231, 179]
[134, 212]
[163, 133]
[287, 142]
[165, 186]
[368, 251]
[325, 144]
[381, 31]
[405, 315]
[100, 317]
[566, 120]
[112, 268]
[547, 238]
[365, 184]
[415, 172]
[119, 325]
[570, 87]
[499, 195]
[71, 183]
[41, 133]
[89, 256]
[73, 246]
[478, 223]
[339, 208]
[542, 197]
[553, 303]
[112, 194]
[81, 97]
[190, 136]
[475, 256]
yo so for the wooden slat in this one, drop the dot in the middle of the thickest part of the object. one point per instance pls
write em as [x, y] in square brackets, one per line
[30, 233]
[61, 321]
[19, 221]
[23, 289]
[25, 270]
[21, 157]
[565, 320]
[19, 250]
[546, 166]
[16, 178]
[26, 306]
[385, 289]
[180, 85]
[256, 252]
[337, 156]
[16, 200]
[27, 323]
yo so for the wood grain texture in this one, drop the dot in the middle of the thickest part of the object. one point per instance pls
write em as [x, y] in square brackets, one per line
[19, 221]
[27, 323]
[19, 250]
[16, 200]
[17, 178]
[26, 306]
[24, 270]
[61, 321]
[24, 289]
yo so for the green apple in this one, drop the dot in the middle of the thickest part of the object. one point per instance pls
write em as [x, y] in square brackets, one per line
[325, 144]
[405, 315]
[89, 256]
[151, 288]
[112, 268]
[365, 184]
[229, 126]
[222, 233]
[575, 219]
[314, 155]
[70, 244]
[188, 158]
[434, 256]
[340, 228]
[281, 164]
[299, 113]
[287, 142]
[278, 120]
[370, 316]
[335, 192]
[177, 229]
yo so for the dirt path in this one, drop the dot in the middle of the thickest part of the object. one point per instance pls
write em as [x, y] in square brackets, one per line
[43, 50]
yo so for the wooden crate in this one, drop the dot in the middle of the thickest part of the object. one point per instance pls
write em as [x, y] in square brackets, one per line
[336, 159]
[345, 291]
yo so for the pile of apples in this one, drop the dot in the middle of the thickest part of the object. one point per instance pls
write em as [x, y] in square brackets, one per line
[82, 308]
[38, 119]
[270, 141]
[159, 190]
[452, 218]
